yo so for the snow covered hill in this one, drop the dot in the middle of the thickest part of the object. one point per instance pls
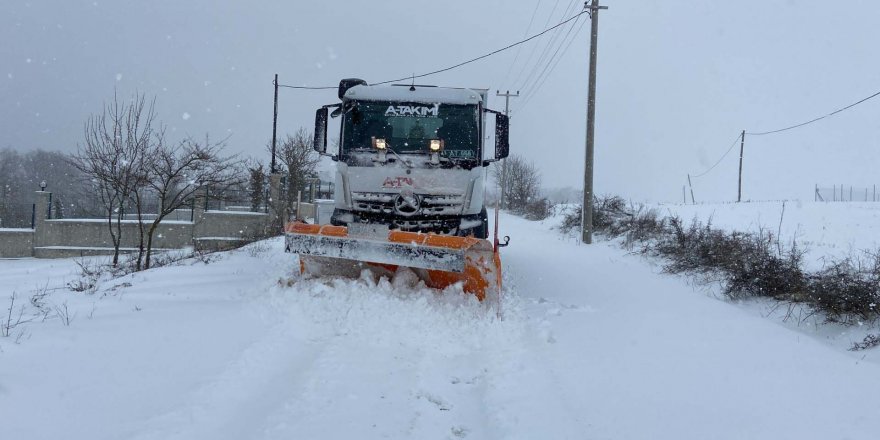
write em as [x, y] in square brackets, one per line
[594, 343]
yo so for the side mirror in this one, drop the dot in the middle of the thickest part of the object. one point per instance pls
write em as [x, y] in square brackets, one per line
[502, 134]
[320, 142]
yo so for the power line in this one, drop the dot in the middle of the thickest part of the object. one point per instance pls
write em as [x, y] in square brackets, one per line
[486, 55]
[532, 52]
[542, 78]
[547, 48]
[722, 157]
[445, 69]
[519, 48]
[307, 87]
[816, 119]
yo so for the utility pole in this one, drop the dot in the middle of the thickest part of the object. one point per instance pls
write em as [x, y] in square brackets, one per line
[507, 95]
[274, 126]
[691, 186]
[587, 210]
[742, 145]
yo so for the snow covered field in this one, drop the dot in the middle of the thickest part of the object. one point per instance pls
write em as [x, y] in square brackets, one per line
[823, 229]
[595, 343]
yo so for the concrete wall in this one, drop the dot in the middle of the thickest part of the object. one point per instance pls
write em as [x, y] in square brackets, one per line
[225, 229]
[16, 243]
[96, 233]
[74, 237]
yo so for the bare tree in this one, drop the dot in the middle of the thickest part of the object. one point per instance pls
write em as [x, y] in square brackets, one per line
[178, 171]
[523, 183]
[113, 156]
[299, 160]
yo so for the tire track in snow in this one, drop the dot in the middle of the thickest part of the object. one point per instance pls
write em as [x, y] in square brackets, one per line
[377, 359]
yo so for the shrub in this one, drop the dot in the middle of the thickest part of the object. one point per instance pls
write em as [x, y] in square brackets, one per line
[538, 209]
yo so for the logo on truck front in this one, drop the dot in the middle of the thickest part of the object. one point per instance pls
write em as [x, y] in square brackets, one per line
[413, 110]
[397, 182]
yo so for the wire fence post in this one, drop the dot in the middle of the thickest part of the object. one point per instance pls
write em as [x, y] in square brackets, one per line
[742, 145]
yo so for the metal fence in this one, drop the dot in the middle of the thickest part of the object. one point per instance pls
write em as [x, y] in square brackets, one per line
[237, 200]
[846, 193]
[17, 215]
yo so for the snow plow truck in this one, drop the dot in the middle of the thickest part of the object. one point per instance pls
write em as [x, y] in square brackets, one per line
[409, 187]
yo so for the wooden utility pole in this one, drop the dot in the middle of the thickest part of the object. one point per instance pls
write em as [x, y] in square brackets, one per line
[507, 95]
[274, 126]
[742, 145]
[587, 207]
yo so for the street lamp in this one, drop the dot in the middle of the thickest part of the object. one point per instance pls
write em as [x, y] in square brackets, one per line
[43, 185]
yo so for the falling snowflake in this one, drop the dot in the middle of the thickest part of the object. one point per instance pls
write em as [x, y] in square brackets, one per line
[28, 60]
[185, 116]
[118, 77]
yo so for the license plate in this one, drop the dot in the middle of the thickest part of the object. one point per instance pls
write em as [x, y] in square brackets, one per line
[367, 230]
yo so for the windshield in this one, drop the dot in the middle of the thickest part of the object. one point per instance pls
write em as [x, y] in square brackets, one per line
[409, 127]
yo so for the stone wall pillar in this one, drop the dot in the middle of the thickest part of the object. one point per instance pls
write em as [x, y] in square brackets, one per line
[41, 213]
[200, 198]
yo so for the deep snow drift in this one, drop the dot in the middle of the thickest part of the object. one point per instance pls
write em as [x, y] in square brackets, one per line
[594, 343]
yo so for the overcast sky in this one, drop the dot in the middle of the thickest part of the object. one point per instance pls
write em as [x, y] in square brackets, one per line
[678, 80]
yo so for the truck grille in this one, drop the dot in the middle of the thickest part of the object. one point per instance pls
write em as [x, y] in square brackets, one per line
[431, 204]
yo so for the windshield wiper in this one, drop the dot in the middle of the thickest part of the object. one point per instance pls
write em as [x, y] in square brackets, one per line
[388, 147]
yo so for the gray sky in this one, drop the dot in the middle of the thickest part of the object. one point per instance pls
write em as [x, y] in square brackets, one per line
[677, 79]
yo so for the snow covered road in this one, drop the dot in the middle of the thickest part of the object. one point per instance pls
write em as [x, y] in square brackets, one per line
[594, 344]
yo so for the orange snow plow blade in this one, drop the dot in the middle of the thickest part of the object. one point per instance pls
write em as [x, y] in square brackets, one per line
[438, 260]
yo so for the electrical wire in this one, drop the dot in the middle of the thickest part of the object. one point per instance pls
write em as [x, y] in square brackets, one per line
[547, 48]
[486, 55]
[519, 48]
[554, 60]
[535, 47]
[307, 87]
[816, 119]
[445, 69]
[738, 136]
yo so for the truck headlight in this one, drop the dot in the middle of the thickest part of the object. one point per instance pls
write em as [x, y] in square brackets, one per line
[436, 145]
[379, 144]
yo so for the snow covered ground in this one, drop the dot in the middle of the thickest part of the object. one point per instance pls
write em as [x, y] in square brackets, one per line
[595, 343]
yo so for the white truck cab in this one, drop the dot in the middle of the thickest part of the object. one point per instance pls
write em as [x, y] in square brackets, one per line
[412, 157]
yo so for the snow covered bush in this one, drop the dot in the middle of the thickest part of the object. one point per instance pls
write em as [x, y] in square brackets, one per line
[847, 291]
[538, 209]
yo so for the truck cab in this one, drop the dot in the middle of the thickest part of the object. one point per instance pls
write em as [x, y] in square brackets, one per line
[411, 157]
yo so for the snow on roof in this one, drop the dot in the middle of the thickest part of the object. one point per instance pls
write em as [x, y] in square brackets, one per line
[421, 94]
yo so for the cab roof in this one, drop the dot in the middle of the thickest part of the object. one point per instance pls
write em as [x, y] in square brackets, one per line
[421, 94]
